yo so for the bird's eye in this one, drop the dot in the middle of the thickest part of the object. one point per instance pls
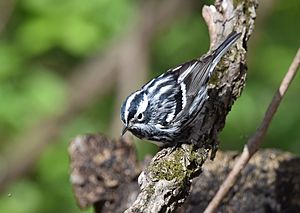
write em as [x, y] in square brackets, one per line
[140, 116]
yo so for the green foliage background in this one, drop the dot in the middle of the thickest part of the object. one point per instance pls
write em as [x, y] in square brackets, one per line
[45, 39]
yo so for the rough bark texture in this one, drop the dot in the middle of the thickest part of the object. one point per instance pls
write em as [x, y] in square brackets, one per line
[166, 181]
[104, 174]
[269, 183]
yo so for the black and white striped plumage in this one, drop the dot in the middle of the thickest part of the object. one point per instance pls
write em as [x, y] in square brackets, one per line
[164, 110]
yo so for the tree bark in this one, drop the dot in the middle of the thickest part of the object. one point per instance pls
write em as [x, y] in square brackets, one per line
[269, 183]
[165, 183]
[104, 175]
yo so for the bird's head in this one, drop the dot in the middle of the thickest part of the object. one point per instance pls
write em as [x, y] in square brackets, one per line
[134, 113]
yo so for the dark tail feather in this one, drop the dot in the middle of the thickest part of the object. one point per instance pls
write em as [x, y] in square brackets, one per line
[224, 46]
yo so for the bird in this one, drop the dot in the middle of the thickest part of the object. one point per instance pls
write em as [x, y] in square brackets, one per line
[166, 108]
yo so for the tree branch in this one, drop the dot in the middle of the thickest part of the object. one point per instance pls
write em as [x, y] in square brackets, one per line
[103, 171]
[104, 174]
[270, 182]
[256, 140]
[166, 181]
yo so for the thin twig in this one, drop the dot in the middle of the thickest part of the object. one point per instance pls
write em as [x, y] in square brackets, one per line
[256, 140]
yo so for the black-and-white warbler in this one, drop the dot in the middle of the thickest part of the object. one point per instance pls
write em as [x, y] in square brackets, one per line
[165, 109]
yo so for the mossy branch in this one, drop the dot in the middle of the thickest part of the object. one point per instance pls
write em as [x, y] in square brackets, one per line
[166, 182]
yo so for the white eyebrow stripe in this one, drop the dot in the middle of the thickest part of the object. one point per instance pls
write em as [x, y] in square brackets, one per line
[185, 73]
[143, 105]
[128, 102]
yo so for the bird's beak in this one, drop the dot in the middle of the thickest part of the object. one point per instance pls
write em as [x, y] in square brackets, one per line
[124, 130]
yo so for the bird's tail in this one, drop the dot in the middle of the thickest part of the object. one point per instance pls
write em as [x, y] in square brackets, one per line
[224, 46]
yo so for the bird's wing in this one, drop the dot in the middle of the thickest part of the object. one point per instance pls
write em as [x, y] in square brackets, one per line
[185, 86]
[165, 95]
[192, 78]
[194, 75]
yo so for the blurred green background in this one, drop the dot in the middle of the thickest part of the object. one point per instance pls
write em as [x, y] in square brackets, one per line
[42, 42]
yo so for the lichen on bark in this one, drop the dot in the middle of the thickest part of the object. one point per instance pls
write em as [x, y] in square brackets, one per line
[166, 182]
